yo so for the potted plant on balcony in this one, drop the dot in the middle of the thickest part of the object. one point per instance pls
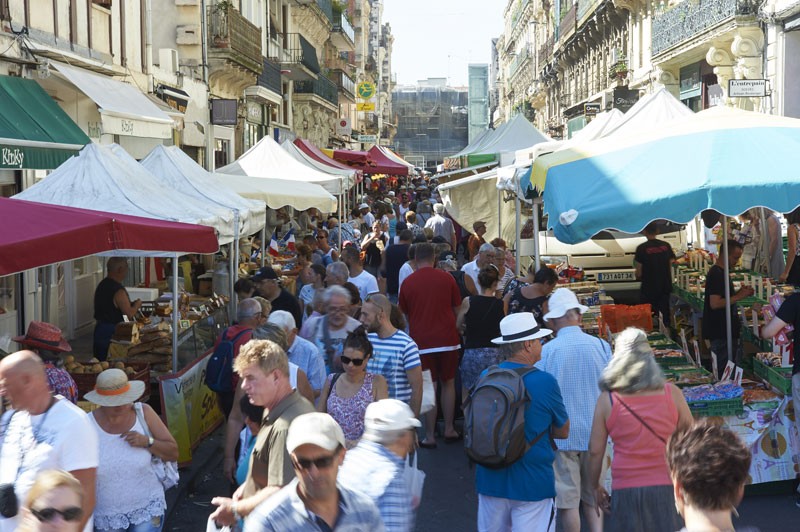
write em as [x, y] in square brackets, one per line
[219, 23]
[618, 70]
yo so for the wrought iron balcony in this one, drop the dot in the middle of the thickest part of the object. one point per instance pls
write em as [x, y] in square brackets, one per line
[234, 38]
[568, 24]
[322, 87]
[345, 83]
[692, 18]
[292, 51]
[343, 34]
[520, 60]
[546, 51]
[270, 77]
[326, 6]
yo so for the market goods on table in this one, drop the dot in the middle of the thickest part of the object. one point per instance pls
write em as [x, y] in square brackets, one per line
[723, 399]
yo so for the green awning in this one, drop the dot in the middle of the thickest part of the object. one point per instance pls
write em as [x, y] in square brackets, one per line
[34, 131]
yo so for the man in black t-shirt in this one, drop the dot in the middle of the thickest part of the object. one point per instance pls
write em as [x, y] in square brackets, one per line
[788, 314]
[654, 269]
[392, 259]
[268, 287]
[714, 308]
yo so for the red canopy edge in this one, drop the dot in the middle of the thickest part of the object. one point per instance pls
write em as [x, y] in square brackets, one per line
[385, 165]
[316, 154]
[37, 234]
[357, 159]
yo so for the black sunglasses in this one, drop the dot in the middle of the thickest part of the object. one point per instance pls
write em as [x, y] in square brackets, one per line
[321, 237]
[320, 463]
[73, 513]
[354, 361]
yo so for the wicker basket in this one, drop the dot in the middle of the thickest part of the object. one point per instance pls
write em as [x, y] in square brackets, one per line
[86, 381]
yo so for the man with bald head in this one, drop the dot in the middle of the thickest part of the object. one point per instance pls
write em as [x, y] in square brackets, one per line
[42, 431]
[394, 354]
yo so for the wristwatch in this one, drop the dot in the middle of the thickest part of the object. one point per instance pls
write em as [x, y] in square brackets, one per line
[150, 441]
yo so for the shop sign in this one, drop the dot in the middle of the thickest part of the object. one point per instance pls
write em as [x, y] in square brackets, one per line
[591, 109]
[12, 158]
[94, 129]
[624, 98]
[691, 83]
[366, 90]
[368, 138]
[343, 127]
[255, 113]
[747, 88]
[191, 409]
[365, 106]
[175, 98]
[223, 112]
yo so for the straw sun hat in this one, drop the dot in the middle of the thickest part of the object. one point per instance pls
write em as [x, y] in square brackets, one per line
[114, 389]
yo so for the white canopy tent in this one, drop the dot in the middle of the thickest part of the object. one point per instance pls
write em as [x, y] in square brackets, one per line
[268, 160]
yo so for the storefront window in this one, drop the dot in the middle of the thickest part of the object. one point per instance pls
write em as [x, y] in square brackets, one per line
[221, 150]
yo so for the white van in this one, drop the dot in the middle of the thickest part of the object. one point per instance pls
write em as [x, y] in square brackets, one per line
[608, 258]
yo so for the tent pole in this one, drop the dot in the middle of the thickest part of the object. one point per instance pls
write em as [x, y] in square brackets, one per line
[263, 241]
[728, 325]
[499, 213]
[516, 233]
[536, 251]
[45, 293]
[341, 220]
[175, 314]
[234, 276]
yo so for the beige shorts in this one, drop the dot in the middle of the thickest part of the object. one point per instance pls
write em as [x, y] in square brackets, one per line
[573, 484]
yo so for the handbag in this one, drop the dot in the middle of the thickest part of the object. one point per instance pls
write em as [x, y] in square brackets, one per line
[166, 472]
[428, 393]
[415, 479]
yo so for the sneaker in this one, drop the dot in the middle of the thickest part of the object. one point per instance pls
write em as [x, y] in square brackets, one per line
[797, 501]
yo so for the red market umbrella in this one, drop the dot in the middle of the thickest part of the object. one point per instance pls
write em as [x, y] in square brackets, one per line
[37, 234]
[317, 154]
[384, 165]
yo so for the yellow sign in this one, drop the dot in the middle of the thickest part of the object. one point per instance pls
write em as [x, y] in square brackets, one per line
[365, 106]
[191, 409]
[366, 90]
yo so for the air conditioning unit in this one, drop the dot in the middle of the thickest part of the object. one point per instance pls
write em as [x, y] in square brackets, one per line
[168, 59]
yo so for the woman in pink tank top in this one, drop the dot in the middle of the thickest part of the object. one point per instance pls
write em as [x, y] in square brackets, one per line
[639, 410]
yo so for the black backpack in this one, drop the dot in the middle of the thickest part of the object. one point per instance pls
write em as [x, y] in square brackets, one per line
[219, 371]
[494, 418]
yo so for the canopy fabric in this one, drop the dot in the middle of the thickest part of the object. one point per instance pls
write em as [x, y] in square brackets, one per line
[649, 113]
[733, 160]
[266, 159]
[34, 131]
[445, 176]
[37, 234]
[97, 178]
[396, 158]
[303, 157]
[277, 193]
[518, 133]
[473, 199]
[180, 172]
[385, 165]
[477, 141]
[323, 156]
[124, 109]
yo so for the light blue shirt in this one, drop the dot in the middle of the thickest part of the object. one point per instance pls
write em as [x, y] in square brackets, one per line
[307, 357]
[285, 511]
[387, 485]
[576, 360]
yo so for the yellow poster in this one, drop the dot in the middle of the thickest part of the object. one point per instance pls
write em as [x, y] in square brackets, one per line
[191, 409]
[365, 106]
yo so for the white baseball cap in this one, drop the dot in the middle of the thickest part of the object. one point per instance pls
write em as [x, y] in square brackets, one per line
[317, 429]
[389, 414]
[561, 301]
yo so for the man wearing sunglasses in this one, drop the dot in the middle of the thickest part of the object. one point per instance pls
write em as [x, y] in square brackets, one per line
[314, 500]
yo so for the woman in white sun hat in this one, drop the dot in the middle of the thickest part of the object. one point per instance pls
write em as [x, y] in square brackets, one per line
[129, 495]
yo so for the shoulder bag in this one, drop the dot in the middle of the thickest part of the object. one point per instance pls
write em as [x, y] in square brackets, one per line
[166, 472]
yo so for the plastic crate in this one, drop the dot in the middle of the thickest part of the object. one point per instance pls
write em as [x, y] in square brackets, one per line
[780, 379]
[760, 369]
[667, 362]
[721, 407]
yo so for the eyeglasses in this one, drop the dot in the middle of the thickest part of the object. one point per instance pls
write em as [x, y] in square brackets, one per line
[73, 513]
[335, 310]
[323, 462]
[353, 361]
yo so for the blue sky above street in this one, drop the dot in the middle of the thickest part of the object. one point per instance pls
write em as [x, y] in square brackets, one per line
[439, 38]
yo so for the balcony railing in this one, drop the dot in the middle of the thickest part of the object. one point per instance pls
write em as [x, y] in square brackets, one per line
[342, 25]
[270, 77]
[326, 6]
[345, 83]
[292, 49]
[322, 87]
[692, 18]
[567, 25]
[546, 51]
[519, 60]
[233, 36]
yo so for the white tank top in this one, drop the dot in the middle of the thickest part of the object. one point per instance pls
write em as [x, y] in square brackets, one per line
[128, 492]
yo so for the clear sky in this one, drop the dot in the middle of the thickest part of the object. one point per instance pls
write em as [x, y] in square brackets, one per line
[439, 38]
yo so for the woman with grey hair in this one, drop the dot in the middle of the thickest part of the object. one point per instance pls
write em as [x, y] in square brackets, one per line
[639, 410]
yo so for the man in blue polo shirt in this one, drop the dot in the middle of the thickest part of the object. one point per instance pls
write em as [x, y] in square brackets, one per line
[520, 496]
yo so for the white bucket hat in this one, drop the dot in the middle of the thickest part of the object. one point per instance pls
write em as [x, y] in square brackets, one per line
[114, 389]
[519, 327]
[562, 300]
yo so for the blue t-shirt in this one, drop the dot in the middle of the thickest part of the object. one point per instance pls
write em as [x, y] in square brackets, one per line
[531, 477]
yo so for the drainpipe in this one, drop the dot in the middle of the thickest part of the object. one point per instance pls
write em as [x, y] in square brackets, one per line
[148, 43]
[208, 133]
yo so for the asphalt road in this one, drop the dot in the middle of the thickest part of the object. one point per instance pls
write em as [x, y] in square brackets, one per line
[449, 499]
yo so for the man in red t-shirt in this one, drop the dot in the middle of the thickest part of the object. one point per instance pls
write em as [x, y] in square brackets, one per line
[430, 299]
[248, 317]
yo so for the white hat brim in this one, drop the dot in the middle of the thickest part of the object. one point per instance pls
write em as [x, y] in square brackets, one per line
[135, 392]
[541, 333]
